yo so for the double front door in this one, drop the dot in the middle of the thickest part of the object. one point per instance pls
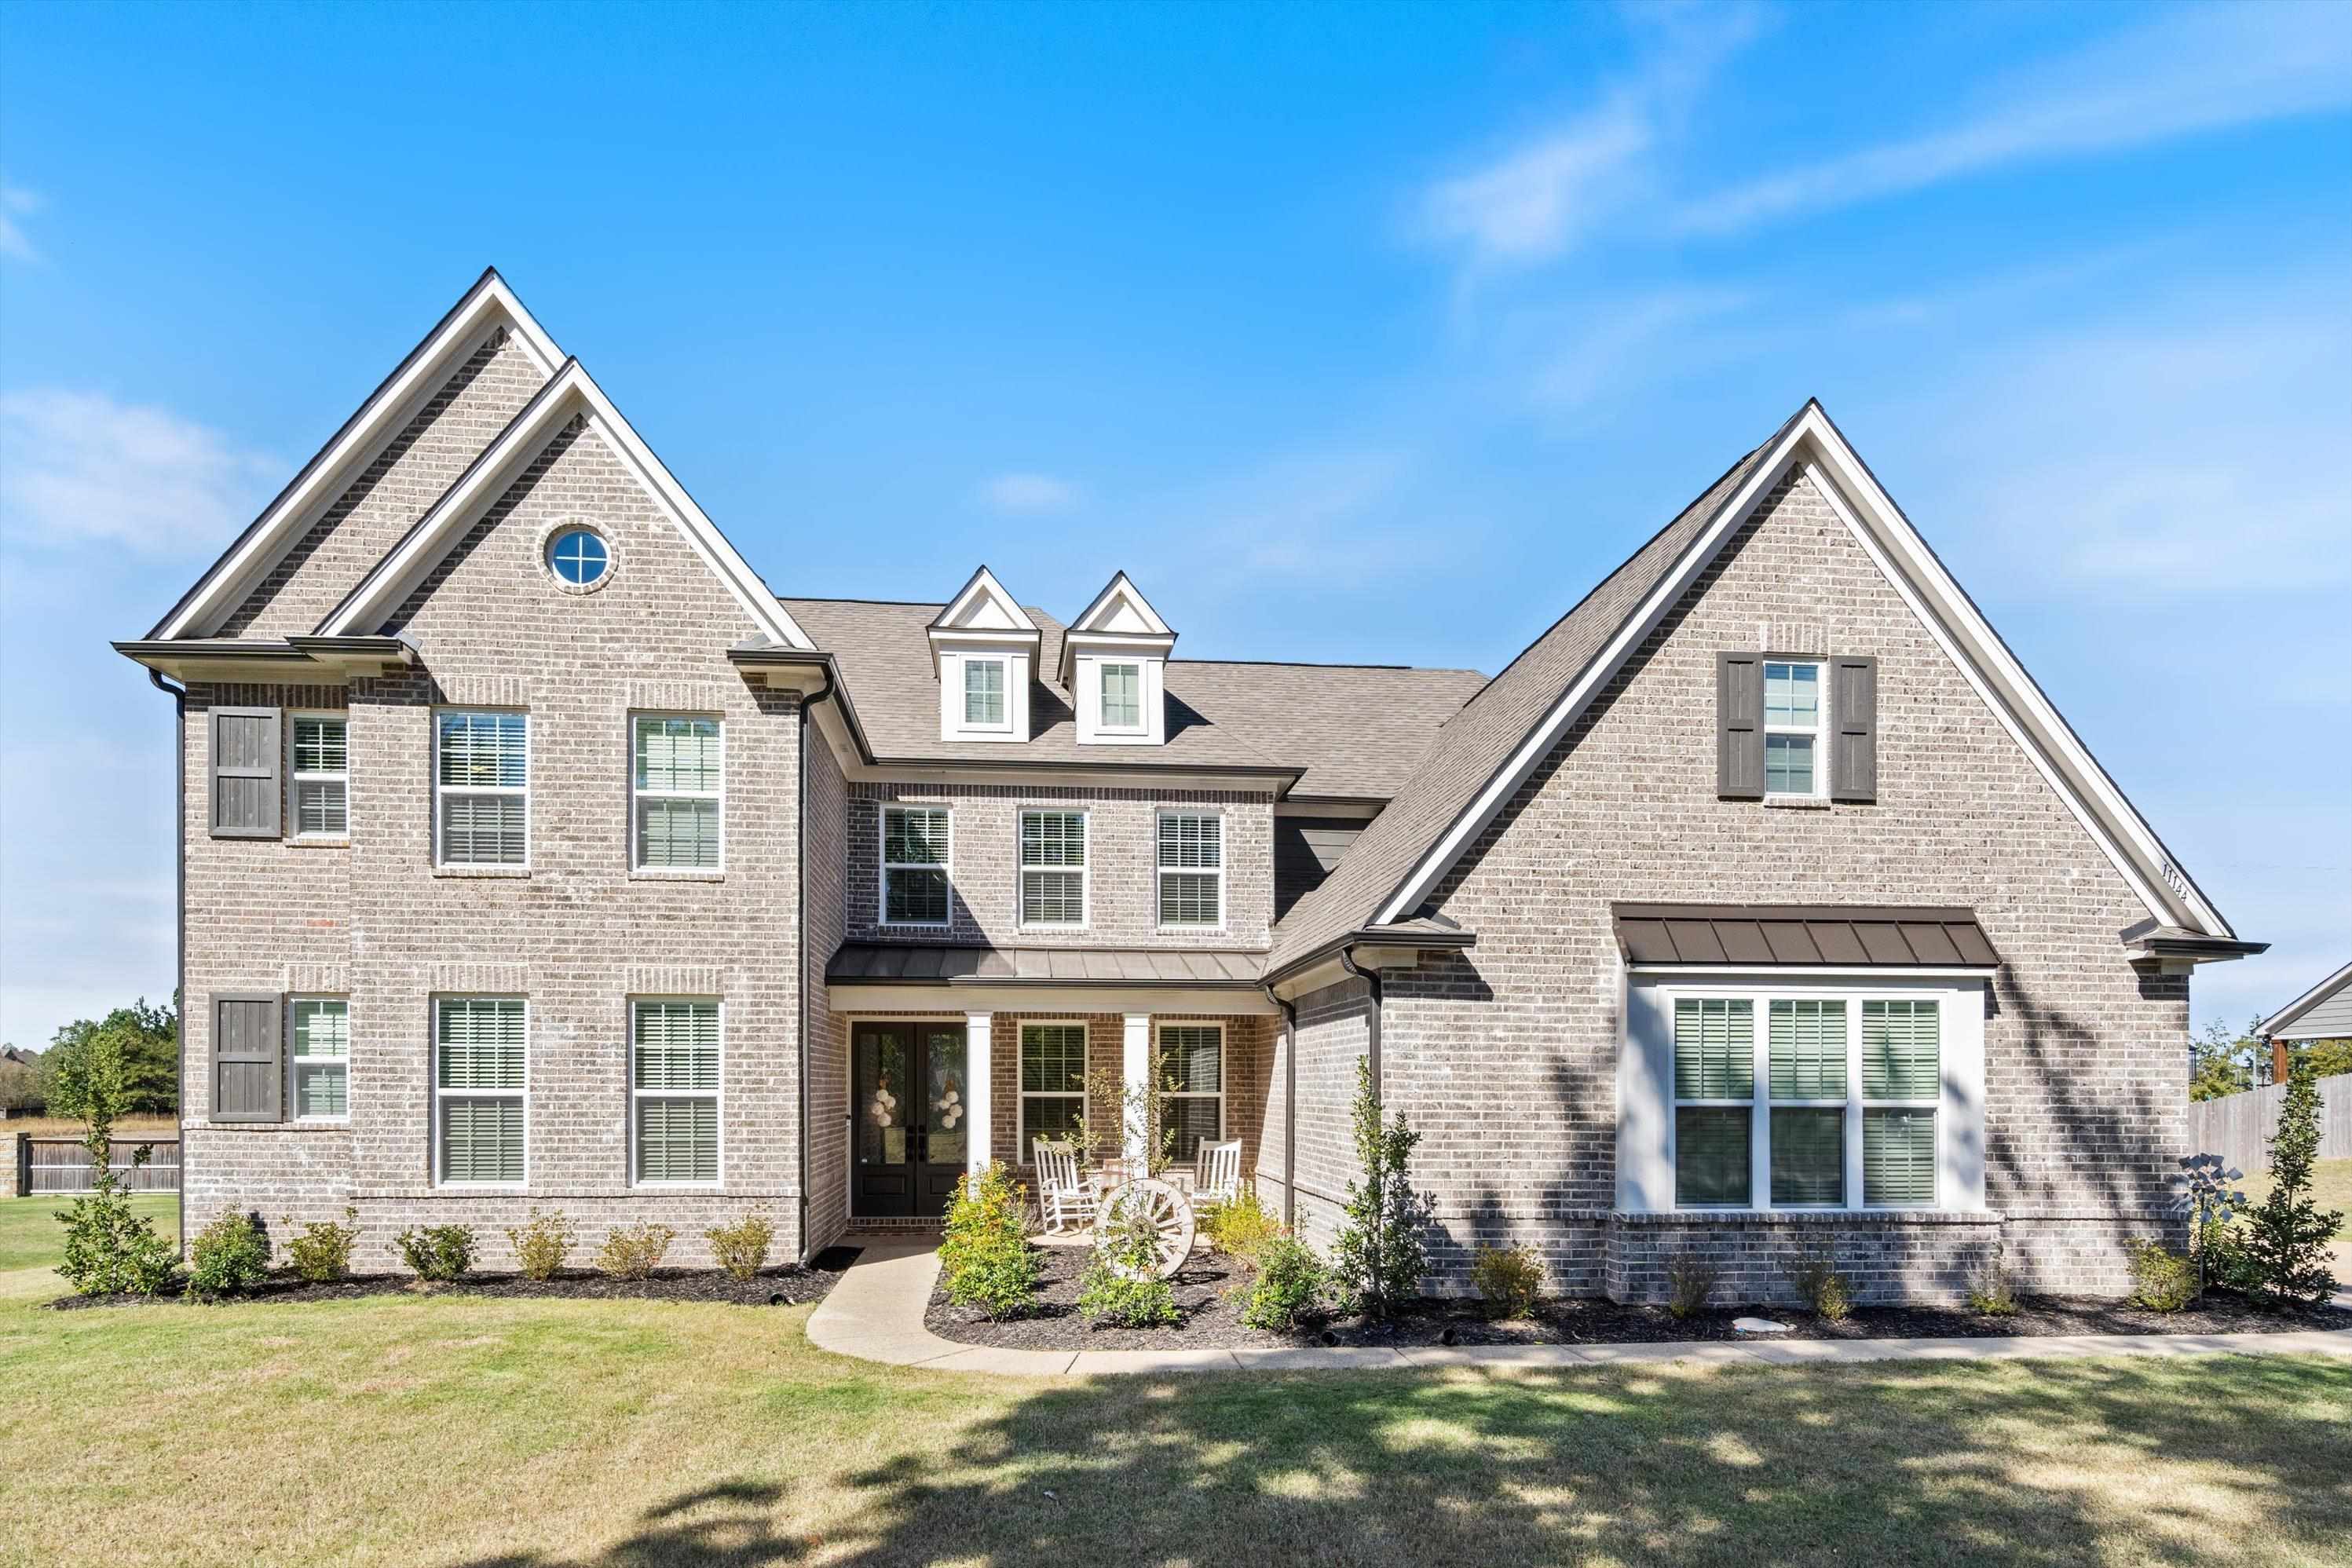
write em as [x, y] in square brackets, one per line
[910, 1118]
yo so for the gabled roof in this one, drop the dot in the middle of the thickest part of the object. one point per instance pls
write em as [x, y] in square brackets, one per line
[570, 393]
[1504, 734]
[1118, 616]
[487, 307]
[2283, 1021]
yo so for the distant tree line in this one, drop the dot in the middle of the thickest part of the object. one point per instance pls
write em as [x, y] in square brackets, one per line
[2226, 1062]
[149, 1037]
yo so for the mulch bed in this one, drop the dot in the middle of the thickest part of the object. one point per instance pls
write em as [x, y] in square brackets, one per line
[1213, 1321]
[788, 1286]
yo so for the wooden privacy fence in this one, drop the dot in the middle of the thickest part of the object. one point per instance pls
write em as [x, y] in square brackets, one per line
[2238, 1127]
[62, 1164]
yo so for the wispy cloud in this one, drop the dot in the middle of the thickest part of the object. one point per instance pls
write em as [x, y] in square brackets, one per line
[1029, 493]
[16, 202]
[2196, 71]
[79, 468]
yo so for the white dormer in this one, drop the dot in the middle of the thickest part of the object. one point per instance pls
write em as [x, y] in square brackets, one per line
[1115, 663]
[984, 650]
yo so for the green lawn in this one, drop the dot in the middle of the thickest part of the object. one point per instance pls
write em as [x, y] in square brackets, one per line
[444, 1430]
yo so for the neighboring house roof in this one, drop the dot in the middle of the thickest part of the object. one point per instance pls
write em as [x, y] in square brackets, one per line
[1342, 729]
[1849, 936]
[929, 963]
[2323, 1012]
[1498, 739]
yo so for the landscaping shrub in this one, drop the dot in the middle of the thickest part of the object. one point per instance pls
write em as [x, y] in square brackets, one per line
[109, 1250]
[742, 1248]
[321, 1252]
[1240, 1227]
[229, 1257]
[540, 1244]
[1289, 1288]
[2285, 1240]
[1814, 1277]
[2163, 1281]
[2211, 1195]
[1509, 1277]
[635, 1252]
[1990, 1293]
[1691, 1279]
[438, 1253]
[1119, 1285]
[1377, 1261]
[985, 1257]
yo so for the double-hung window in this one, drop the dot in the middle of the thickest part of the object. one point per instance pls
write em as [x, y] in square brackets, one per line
[1053, 1084]
[1123, 697]
[1193, 1079]
[1795, 757]
[1715, 1095]
[481, 782]
[319, 1038]
[674, 1047]
[480, 1078]
[678, 776]
[1901, 1077]
[1192, 869]
[318, 767]
[1053, 868]
[983, 693]
[914, 865]
[1807, 1051]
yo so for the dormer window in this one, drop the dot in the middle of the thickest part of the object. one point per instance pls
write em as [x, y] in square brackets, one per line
[1122, 696]
[983, 692]
[1115, 663]
[984, 650]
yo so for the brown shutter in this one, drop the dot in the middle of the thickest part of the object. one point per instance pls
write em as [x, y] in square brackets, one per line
[249, 1064]
[1739, 727]
[244, 753]
[1854, 708]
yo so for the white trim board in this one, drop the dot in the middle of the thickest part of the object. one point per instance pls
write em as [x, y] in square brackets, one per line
[1993, 672]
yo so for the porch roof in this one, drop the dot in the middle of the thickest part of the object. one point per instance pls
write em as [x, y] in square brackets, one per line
[1856, 936]
[936, 964]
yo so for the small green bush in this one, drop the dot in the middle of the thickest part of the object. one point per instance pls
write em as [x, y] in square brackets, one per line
[111, 1252]
[229, 1257]
[742, 1248]
[1990, 1293]
[2163, 1281]
[1240, 1227]
[1120, 1284]
[321, 1252]
[1291, 1286]
[1690, 1280]
[1815, 1278]
[437, 1253]
[635, 1252]
[540, 1244]
[985, 1258]
[1510, 1278]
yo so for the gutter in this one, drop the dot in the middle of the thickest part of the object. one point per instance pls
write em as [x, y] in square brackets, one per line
[1290, 1109]
[808, 702]
[180, 920]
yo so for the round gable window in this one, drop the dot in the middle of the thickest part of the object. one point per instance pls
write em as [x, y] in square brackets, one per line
[579, 558]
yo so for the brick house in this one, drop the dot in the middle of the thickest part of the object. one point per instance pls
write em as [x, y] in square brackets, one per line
[534, 851]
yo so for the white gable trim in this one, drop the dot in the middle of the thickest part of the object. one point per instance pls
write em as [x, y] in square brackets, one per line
[485, 309]
[1101, 629]
[983, 589]
[2292, 1014]
[572, 392]
[1966, 638]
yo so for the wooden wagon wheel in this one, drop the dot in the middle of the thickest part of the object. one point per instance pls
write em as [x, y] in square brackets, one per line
[1167, 1212]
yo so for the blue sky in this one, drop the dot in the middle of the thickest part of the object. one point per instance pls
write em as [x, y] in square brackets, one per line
[1354, 333]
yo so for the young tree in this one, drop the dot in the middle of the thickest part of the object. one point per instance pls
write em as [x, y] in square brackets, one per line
[2221, 1062]
[109, 1250]
[2286, 1234]
[1378, 1259]
[146, 1039]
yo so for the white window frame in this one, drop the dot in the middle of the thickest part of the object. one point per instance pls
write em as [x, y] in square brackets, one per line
[718, 1098]
[1103, 726]
[882, 857]
[1761, 1104]
[1085, 868]
[432, 1029]
[296, 777]
[440, 790]
[1160, 1028]
[637, 866]
[1819, 729]
[966, 664]
[1020, 1046]
[294, 1062]
[1161, 874]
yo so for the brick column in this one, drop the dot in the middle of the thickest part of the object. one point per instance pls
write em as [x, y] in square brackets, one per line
[980, 1091]
[1135, 1075]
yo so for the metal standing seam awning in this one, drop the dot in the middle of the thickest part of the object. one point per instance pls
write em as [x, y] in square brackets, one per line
[864, 975]
[1843, 936]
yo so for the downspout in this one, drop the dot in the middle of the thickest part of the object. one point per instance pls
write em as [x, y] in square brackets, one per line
[808, 702]
[1371, 978]
[179, 695]
[1291, 1108]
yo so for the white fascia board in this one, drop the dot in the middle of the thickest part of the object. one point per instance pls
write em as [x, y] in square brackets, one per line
[487, 306]
[983, 585]
[1120, 583]
[2286, 1016]
[573, 392]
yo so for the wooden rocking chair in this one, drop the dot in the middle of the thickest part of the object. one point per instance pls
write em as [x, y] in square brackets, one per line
[1217, 1172]
[1063, 1195]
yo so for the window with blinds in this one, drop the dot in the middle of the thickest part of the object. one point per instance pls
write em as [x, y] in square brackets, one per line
[1901, 1061]
[319, 1038]
[1053, 1084]
[1715, 1060]
[1193, 1080]
[983, 692]
[1053, 868]
[674, 1059]
[318, 775]
[1122, 696]
[1192, 869]
[1805, 1048]
[481, 783]
[479, 1076]
[914, 865]
[679, 779]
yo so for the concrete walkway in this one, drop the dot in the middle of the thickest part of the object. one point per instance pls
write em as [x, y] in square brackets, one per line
[875, 1314]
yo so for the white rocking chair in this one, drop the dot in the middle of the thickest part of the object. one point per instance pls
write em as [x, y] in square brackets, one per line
[1063, 1195]
[1217, 1172]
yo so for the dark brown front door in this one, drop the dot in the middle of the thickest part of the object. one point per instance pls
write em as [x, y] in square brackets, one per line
[910, 1117]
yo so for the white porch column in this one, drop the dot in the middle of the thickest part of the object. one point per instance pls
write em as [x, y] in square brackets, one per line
[979, 1092]
[1136, 1077]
